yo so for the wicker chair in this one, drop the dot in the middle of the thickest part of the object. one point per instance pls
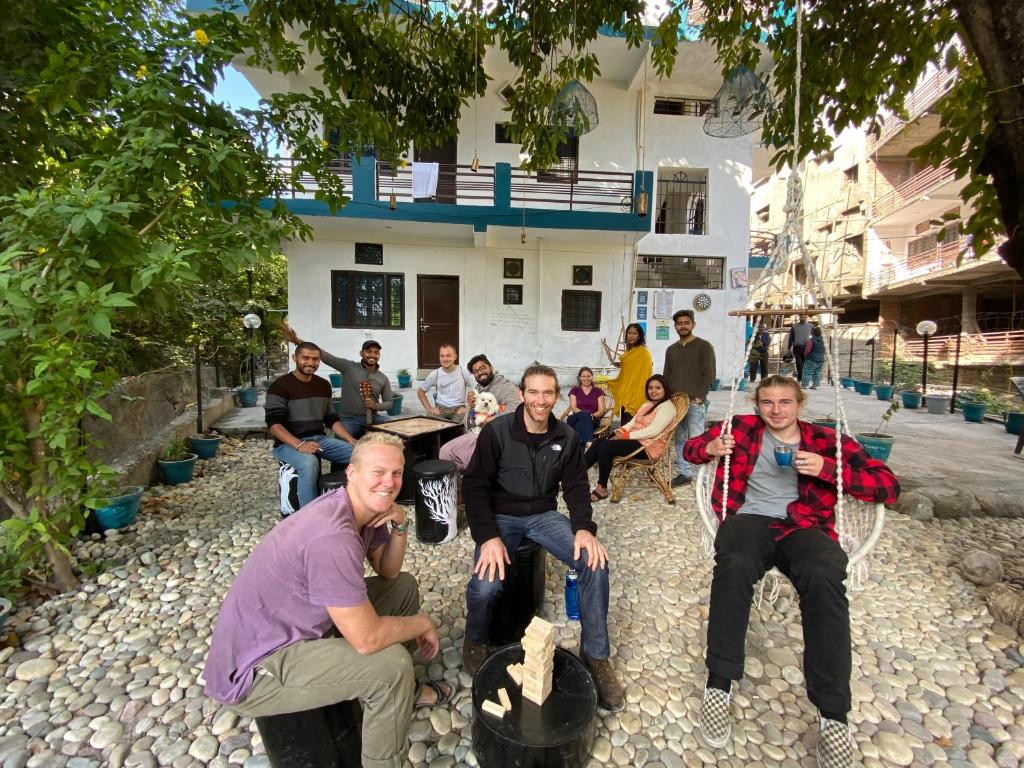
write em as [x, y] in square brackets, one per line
[659, 471]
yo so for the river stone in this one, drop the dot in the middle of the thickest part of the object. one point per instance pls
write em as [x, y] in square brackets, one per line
[951, 503]
[33, 669]
[892, 748]
[982, 568]
[916, 505]
[1006, 605]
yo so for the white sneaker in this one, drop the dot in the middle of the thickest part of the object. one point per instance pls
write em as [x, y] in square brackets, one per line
[715, 723]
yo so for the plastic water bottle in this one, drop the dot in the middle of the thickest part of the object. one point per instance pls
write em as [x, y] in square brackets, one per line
[572, 596]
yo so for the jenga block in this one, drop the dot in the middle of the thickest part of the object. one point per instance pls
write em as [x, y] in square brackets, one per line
[493, 708]
[506, 702]
[539, 626]
[515, 671]
[536, 695]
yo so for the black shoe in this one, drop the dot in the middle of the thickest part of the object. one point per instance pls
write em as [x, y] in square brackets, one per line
[680, 480]
[610, 693]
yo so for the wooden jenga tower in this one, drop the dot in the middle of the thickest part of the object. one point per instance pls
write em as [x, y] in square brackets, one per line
[538, 660]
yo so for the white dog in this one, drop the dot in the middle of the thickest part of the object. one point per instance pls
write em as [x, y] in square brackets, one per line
[484, 409]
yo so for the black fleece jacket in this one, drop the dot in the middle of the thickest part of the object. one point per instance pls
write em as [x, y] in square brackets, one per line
[508, 476]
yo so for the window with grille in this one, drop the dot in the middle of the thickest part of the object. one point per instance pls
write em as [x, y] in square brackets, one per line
[503, 134]
[568, 163]
[581, 310]
[852, 174]
[367, 299]
[681, 107]
[857, 243]
[370, 253]
[682, 202]
[513, 294]
[706, 272]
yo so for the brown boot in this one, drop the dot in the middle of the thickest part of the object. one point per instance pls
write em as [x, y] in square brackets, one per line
[610, 693]
[473, 655]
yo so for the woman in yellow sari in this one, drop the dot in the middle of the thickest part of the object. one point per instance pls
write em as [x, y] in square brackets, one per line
[635, 367]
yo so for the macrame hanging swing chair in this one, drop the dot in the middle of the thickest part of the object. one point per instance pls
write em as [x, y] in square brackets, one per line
[575, 107]
[858, 524]
[737, 107]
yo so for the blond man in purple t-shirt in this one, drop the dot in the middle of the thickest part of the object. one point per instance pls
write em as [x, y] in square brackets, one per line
[301, 628]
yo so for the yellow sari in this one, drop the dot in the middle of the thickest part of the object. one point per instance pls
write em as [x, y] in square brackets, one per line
[628, 388]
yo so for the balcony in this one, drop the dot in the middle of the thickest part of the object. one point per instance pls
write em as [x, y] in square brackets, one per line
[920, 263]
[912, 195]
[931, 267]
[917, 104]
[498, 195]
[989, 348]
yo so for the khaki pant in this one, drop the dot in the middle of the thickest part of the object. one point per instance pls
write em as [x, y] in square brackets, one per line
[451, 413]
[317, 673]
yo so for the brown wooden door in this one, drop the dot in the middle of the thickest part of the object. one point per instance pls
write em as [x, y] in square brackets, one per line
[446, 156]
[437, 306]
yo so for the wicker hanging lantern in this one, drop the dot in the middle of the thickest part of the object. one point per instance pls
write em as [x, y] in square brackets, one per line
[738, 105]
[576, 108]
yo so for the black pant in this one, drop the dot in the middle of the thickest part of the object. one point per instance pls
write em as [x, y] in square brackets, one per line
[744, 550]
[798, 358]
[761, 364]
[603, 452]
[624, 417]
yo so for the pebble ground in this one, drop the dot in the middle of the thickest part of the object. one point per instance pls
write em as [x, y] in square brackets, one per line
[111, 675]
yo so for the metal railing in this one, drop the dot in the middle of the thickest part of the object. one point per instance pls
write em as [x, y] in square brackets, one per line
[917, 103]
[941, 256]
[912, 189]
[575, 191]
[456, 184]
[286, 167]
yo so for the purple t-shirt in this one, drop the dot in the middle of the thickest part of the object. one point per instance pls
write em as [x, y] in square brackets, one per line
[587, 402]
[309, 562]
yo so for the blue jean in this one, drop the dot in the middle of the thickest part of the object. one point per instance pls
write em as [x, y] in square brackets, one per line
[552, 531]
[307, 465]
[691, 426]
[812, 373]
[583, 423]
[356, 425]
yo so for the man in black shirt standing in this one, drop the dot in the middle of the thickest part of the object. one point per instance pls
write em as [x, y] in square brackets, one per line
[510, 490]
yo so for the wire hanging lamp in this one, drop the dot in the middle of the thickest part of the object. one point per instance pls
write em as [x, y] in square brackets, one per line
[575, 107]
[737, 107]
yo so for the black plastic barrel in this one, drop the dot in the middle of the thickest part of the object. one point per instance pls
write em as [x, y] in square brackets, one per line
[328, 737]
[430, 530]
[558, 734]
[331, 480]
[522, 597]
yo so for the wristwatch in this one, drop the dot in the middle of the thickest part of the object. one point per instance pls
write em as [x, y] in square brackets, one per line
[400, 529]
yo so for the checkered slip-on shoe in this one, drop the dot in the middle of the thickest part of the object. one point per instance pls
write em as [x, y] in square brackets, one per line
[715, 724]
[835, 745]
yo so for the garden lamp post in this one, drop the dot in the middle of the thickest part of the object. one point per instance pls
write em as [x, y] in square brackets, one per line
[251, 321]
[925, 329]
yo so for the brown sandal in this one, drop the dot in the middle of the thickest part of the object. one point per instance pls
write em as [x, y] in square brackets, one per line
[595, 495]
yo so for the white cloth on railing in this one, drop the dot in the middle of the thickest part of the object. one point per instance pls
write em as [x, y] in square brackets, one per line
[424, 179]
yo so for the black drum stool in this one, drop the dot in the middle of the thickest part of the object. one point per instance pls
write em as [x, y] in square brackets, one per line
[556, 734]
[332, 480]
[328, 737]
[523, 595]
[435, 501]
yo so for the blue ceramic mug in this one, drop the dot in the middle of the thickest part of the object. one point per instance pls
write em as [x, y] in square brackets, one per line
[784, 456]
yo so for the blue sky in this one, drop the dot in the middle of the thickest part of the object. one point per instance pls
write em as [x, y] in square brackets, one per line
[235, 90]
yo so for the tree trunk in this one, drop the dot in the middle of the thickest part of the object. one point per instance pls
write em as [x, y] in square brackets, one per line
[992, 28]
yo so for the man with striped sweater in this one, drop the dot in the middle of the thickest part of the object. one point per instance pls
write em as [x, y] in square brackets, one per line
[298, 409]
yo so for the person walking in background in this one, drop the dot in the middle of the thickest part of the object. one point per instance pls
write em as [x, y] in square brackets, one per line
[690, 369]
[814, 361]
[758, 357]
[635, 367]
[587, 406]
[799, 335]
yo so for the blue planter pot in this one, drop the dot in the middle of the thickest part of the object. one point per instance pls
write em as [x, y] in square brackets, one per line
[830, 423]
[846, 382]
[1014, 422]
[974, 412]
[336, 380]
[864, 387]
[742, 385]
[715, 385]
[248, 397]
[396, 405]
[121, 510]
[204, 447]
[175, 472]
[404, 381]
[911, 399]
[876, 446]
[883, 392]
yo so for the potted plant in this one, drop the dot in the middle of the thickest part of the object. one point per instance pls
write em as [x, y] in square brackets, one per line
[975, 403]
[863, 387]
[1013, 415]
[878, 444]
[827, 421]
[176, 464]
[120, 509]
[404, 378]
[205, 445]
[911, 398]
[884, 391]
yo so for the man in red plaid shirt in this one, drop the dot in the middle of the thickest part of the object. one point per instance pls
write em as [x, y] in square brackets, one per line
[780, 512]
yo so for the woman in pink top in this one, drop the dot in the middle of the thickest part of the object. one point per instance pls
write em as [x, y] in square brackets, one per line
[645, 430]
[587, 406]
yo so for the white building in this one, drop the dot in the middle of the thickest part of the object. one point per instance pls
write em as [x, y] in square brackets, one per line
[525, 267]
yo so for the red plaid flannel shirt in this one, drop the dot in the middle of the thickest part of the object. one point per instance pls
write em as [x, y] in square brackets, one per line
[864, 478]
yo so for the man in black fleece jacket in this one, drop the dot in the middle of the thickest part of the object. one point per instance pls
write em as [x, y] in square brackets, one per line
[510, 489]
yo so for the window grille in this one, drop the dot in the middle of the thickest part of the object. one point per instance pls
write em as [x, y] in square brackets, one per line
[367, 299]
[682, 205]
[704, 272]
[581, 310]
